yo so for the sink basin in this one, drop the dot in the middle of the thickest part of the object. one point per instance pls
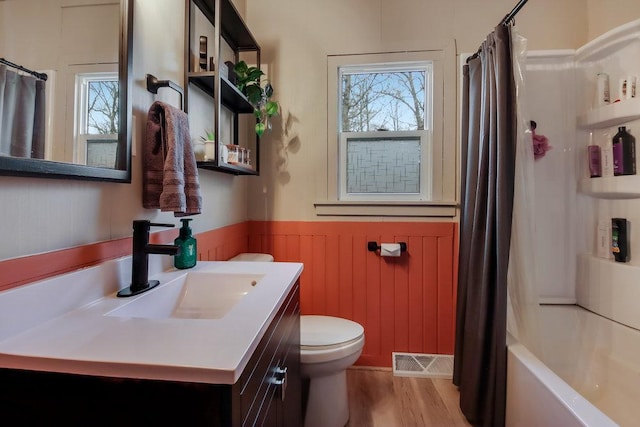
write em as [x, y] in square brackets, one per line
[195, 295]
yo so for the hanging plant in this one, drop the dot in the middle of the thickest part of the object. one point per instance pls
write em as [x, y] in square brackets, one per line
[258, 93]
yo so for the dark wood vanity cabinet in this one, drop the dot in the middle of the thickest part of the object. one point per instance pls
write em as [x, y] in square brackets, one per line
[268, 392]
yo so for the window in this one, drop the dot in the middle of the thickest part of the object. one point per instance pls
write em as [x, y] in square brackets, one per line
[384, 113]
[96, 119]
[387, 120]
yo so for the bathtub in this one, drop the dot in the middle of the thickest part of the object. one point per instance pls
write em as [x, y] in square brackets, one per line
[590, 375]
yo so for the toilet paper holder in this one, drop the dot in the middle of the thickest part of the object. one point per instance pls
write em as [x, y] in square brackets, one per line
[373, 246]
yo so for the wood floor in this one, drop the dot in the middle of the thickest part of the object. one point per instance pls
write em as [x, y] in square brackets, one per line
[378, 399]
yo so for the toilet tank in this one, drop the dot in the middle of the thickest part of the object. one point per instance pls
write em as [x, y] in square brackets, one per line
[255, 257]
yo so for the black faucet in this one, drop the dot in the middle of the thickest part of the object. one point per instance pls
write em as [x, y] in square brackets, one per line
[140, 259]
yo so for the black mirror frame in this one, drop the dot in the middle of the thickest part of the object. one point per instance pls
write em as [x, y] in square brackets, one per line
[15, 166]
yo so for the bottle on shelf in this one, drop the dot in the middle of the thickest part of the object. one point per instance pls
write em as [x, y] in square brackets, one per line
[202, 54]
[624, 153]
[595, 165]
[619, 239]
[602, 90]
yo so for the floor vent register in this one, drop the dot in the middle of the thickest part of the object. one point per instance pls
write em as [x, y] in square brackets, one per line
[422, 365]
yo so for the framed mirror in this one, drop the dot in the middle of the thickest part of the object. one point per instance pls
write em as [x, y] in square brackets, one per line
[77, 121]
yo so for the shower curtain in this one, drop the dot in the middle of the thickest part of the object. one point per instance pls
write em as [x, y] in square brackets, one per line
[22, 115]
[522, 305]
[488, 170]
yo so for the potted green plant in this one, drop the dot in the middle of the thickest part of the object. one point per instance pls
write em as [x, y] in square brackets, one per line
[258, 93]
[209, 135]
[209, 141]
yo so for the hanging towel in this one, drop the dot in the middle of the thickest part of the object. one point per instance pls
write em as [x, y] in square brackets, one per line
[170, 173]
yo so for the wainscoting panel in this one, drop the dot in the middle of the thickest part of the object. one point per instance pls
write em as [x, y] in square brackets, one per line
[405, 304]
[19, 271]
[223, 243]
[214, 245]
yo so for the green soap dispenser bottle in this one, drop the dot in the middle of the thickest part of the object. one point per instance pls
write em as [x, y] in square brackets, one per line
[188, 247]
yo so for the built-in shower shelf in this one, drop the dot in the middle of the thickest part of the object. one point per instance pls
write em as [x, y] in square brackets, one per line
[609, 288]
[614, 114]
[613, 187]
[614, 53]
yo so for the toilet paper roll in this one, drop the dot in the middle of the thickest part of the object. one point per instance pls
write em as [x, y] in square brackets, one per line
[390, 249]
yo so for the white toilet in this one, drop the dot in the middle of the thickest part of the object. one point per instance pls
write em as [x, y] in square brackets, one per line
[328, 346]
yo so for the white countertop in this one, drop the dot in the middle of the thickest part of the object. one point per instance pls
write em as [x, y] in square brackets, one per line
[62, 325]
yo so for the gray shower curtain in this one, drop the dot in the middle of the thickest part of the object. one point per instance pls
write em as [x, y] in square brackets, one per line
[22, 115]
[488, 169]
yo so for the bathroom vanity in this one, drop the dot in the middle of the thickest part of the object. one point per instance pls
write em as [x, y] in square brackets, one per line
[216, 345]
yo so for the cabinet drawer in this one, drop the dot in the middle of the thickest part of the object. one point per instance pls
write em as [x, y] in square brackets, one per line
[257, 390]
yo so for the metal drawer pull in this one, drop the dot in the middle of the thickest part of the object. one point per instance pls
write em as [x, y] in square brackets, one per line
[280, 378]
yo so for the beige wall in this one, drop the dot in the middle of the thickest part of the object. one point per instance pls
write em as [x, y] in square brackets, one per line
[603, 15]
[40, 215]
[297, 36]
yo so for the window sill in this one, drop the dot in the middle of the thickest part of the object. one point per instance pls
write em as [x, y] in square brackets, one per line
[416, 209]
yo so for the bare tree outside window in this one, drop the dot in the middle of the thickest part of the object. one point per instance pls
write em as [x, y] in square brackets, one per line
[97, 108]
[384, 132]
[388, 100]
[390, 136]
[102, 107]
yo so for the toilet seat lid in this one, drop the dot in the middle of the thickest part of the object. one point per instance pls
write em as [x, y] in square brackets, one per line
[322, 331]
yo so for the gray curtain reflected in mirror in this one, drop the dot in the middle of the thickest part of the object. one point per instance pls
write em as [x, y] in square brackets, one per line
[64, 106]
[22, 114]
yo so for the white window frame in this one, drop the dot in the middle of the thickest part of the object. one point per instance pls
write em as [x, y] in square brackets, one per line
[81, 99]
[425, 135]
[425, 161]
[443, 146]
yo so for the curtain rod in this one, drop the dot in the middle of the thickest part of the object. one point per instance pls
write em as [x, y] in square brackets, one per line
[41, 76]
[509, 16]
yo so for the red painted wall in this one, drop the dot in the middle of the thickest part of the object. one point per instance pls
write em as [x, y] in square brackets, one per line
[405, 304]
[219, 244]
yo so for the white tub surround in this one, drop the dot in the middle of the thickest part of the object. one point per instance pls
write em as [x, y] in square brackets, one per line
[604, 286]
[590, 375]
[536, 396]
[586, 371]
[550, 101]
[609, 288]
[67, 324]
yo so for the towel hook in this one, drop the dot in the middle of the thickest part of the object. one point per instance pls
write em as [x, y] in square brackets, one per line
[153, 84]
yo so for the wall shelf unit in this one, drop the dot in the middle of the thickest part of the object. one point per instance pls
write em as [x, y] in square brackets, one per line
[232, 98]
[231, 39]
[230, 168]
